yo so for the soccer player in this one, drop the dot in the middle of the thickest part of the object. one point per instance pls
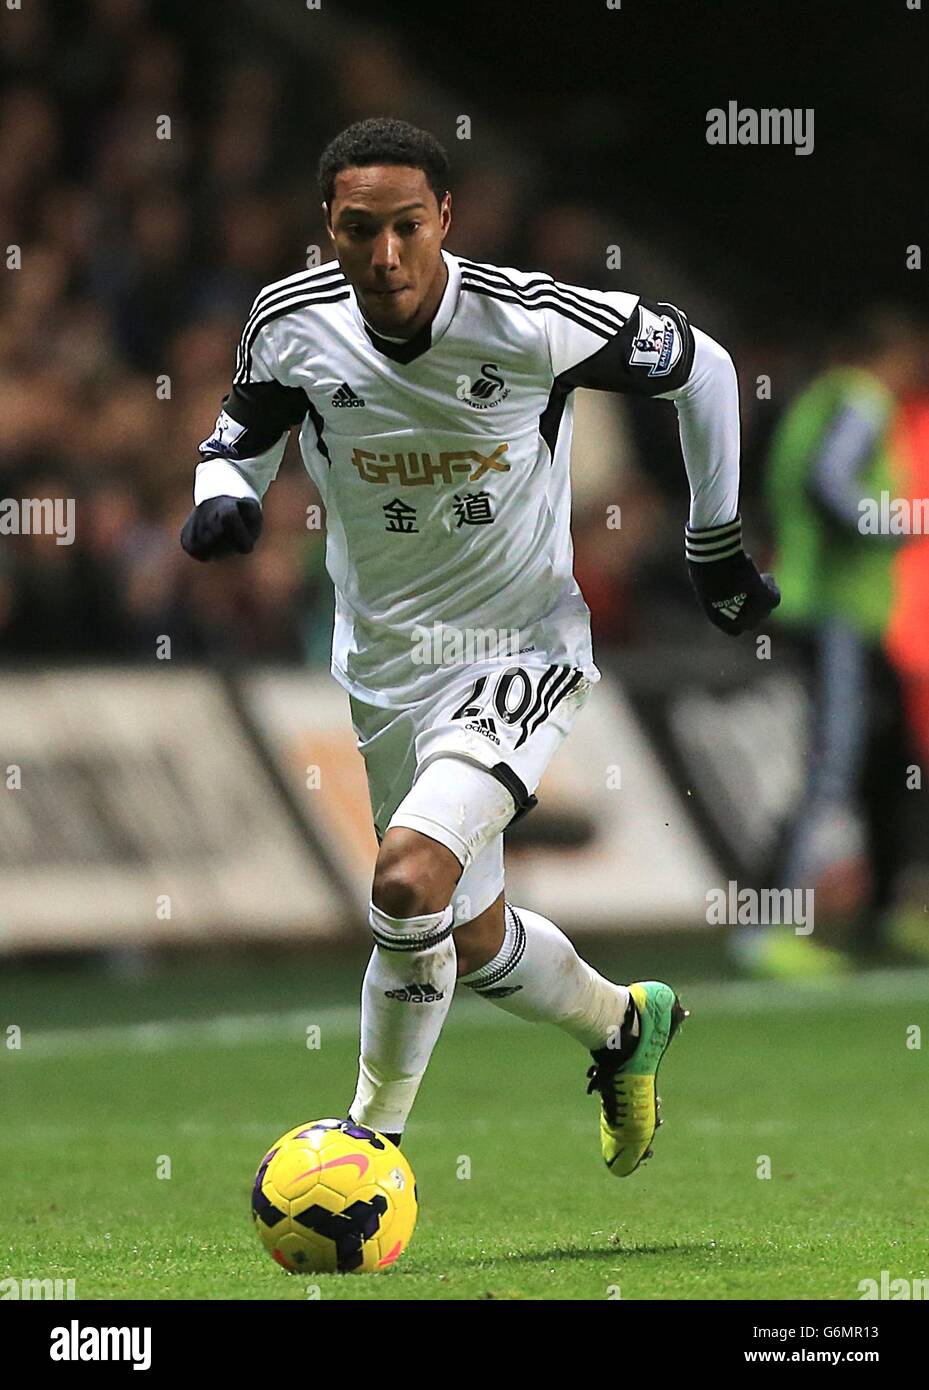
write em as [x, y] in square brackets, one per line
[434, 401]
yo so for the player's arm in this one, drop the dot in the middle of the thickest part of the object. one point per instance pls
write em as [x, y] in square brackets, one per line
[620, 342]
[241, 458]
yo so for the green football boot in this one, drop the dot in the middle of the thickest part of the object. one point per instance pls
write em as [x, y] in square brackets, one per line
[625, 1078]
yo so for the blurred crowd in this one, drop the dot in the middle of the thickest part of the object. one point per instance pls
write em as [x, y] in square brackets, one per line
[139, 257]
[131, 261]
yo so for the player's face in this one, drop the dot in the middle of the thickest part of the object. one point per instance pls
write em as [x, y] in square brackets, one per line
[388, 229]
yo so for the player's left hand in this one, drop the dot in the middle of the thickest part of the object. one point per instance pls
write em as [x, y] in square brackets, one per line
[730, 590]
[222, 526]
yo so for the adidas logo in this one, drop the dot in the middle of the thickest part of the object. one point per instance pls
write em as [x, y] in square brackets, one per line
[416, 994]
[346, 396]
[484, 726]
[731, 607]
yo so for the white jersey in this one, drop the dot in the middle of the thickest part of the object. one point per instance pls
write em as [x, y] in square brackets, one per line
[444, 461]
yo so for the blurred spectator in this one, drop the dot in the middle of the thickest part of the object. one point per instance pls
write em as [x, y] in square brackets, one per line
[836, 449]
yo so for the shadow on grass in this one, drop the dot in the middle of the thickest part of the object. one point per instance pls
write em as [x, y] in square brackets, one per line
[623, 1250]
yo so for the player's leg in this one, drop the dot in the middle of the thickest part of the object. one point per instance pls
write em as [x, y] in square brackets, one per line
[410, 978]
[536, 973]
[523, 962]
[479, 939]
[527, 966]
[519, 959]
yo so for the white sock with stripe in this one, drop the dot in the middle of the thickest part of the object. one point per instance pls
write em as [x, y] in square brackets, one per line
[405, 997]
[538, 975]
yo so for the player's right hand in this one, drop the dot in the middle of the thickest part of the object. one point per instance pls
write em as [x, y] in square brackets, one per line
[733, 595]
[729, 588]
[222, 526]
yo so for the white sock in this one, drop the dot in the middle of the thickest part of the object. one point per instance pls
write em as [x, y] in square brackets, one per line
[405, 997]
[538, 975]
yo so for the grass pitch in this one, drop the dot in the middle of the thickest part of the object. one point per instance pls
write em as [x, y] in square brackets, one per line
[206, 1068]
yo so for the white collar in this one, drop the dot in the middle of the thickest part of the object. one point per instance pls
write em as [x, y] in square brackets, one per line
[443, 314]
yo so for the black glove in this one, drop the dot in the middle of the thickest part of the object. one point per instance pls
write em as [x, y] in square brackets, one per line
[222, 526]
[731, 592]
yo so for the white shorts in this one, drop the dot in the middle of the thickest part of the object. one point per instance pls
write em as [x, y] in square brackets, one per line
[502, 720]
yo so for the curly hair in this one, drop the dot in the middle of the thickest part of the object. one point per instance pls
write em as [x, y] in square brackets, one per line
[384, 140]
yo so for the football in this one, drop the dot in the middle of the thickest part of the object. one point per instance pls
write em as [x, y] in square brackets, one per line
[334, 1197]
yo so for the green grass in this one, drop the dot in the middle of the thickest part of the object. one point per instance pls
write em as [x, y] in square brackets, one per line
[819, 1080]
